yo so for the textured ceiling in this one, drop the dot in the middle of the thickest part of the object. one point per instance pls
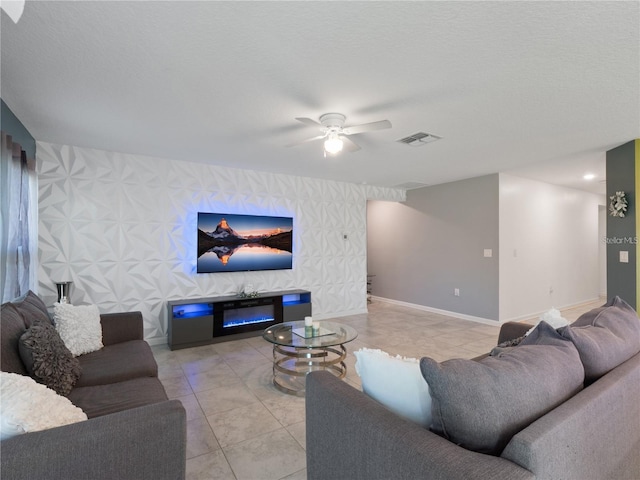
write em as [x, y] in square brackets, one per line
[541, 89]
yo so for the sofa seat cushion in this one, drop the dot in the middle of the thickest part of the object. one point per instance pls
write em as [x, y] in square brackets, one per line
[480, 405]
[117, 363]
[99, 400]
[605, 337]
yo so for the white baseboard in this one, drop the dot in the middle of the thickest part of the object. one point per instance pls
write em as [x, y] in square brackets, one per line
[346, 313]
[536, 315]
[462, 316]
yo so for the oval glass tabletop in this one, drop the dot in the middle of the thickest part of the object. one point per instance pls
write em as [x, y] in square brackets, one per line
[291, 334]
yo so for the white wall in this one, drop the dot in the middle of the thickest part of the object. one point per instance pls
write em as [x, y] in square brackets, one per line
[549, 253]
[123, 229]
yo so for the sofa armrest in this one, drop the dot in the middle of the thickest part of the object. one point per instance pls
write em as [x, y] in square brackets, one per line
[512, 330]
[142, 443]
[121, 327]
[349, 435]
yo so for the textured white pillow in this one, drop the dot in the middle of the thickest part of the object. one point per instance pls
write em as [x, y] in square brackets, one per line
[553, 317]
[28, 406]
[79, 327]
[395, 382]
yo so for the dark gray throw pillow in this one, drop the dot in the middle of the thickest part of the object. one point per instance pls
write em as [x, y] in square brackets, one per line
[506, 344]
[480, 405]
[47, 359]
[605, 337]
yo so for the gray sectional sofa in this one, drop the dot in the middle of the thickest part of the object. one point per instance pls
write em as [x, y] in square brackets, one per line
[594, 434]
[133, 431]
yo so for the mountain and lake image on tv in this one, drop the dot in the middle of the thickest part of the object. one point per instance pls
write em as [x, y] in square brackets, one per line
[240, 243]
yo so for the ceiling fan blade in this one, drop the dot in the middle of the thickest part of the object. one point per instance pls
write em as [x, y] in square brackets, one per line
[367, 127]
[305, 141]
[310, 122]
[348, 144]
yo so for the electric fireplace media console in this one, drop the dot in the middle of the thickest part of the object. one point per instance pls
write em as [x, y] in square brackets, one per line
[201, 321]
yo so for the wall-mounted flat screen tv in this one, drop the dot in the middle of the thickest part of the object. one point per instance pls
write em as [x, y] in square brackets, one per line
[240, 243]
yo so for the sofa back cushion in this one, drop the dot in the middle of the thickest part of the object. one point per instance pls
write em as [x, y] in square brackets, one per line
[12, 328]
[593, 435]
[32, 309]
[480, 405]
[605, 337]
[17, 316]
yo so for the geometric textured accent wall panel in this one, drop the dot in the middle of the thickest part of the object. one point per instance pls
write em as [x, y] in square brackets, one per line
[122, 228]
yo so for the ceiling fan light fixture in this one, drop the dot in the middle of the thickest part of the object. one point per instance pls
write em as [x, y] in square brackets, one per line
[335, 135]
[333, 144]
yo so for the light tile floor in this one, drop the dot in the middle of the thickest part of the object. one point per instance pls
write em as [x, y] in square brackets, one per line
[239, 427]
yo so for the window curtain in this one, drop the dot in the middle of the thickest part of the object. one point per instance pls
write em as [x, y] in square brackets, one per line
[19, 220]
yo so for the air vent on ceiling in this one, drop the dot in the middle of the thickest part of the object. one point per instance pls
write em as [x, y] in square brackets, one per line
[419, 139]
[410, 185]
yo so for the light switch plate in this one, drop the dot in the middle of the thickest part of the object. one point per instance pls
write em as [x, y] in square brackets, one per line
[488, 252]
[624, 256]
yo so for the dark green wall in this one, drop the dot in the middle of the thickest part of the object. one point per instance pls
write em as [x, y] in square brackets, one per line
[10, 124]
[621, 232]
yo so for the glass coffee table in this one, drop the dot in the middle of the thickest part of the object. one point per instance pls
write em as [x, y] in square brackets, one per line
[294, 355]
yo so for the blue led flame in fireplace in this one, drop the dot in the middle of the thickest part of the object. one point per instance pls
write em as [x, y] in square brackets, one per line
[247, 321]
[248, 316]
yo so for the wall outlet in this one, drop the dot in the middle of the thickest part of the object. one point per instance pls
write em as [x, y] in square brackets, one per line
[456, 292]
[488, 253]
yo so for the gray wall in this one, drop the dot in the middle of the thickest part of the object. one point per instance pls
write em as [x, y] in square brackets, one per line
[621, 232]
[11, 125]
[421, 250]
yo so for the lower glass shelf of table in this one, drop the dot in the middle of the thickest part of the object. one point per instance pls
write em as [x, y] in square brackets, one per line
[295, 356]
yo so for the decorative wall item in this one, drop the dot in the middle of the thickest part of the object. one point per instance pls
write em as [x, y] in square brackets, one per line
[618, 205]
[243, 243]
[121, 228]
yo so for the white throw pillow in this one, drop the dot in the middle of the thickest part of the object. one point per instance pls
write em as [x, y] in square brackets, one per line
[395, 382]
[553, 317]
[79, 327]
[28, 406]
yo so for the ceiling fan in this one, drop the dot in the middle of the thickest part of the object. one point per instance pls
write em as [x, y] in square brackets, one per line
[336, 134]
